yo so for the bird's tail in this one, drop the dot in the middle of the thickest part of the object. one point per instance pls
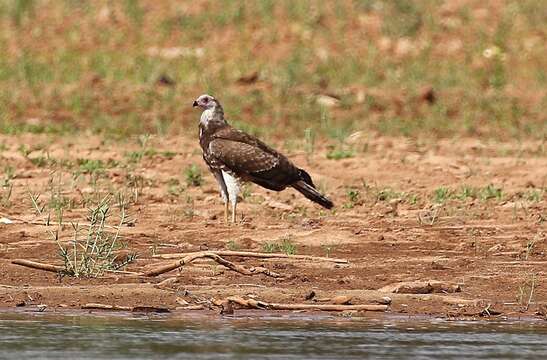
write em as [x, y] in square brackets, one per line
[307, 188]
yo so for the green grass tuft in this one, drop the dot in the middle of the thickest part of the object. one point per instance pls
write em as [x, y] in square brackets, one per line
[193, 176]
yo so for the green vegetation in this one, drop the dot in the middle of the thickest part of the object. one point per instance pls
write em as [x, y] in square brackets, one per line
[285, 246]
[465, 192]
[337, 154]
[441, 194]
[93, 253]
[6, 186]
[232, 245]
[353, 196]
[193, 175]
[174, 187]
[412, 68]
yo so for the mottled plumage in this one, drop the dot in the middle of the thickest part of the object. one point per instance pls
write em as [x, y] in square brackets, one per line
[234, 156]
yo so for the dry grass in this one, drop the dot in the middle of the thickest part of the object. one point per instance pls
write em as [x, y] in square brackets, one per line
[416, 68]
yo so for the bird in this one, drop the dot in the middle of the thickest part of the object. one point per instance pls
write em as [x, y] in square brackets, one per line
[235, 157]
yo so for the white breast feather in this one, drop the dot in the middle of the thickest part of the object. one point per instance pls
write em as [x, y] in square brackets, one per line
[205, 117]
[232, 186]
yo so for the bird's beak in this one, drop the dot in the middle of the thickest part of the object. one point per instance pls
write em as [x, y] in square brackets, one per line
[195, 104]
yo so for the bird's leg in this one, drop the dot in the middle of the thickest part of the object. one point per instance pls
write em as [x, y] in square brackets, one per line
[226, 211]
[234, 206]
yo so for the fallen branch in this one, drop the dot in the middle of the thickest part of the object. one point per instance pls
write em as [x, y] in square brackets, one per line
[97, 306]
[94, 306]
[230, 265]
[520, 262]
[60, 269]
[255, 304]
[38, 266]
[18, 220]
[255, 255]
[190, 307]
[421, 287]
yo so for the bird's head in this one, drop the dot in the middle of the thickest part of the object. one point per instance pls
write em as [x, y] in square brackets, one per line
[205, 102]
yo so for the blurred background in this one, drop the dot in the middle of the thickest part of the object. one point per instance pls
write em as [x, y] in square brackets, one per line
[281, 68]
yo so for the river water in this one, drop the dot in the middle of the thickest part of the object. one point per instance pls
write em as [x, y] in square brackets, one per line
[187, 336]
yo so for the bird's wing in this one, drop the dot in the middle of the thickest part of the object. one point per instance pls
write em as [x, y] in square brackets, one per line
[252, 160]
[229, 133]
[241, 158]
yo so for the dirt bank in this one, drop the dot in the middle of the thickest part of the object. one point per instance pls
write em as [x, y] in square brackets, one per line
[468, 214]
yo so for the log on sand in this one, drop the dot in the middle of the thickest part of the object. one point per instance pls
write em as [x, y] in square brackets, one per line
[255, 255]
[255, 304]
[38, 265]
[230, 265]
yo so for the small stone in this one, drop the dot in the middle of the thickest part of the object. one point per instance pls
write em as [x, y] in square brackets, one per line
[341, 300]
[227, 308]
[309, 295]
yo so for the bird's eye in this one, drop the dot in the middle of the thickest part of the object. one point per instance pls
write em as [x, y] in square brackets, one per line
[206, 100]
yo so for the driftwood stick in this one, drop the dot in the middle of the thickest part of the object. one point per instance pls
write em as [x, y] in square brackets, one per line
[254, 304]
[37, 265]
[190, 307]
[327, 307]
[58, 269]
[96, 306]
[256, 255]
[18, 220]
[230, 265]
[171, 266]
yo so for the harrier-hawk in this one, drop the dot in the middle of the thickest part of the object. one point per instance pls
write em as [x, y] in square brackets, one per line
[234, 156]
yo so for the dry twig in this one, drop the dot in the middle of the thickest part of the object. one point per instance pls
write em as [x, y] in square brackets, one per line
[230, 265]
[38, 266]
[59, 269]
[256, 255]
[95, 306]
[255, 304]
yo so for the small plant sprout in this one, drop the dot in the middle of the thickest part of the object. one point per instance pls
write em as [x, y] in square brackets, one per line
[285, 246]
[526, 291]
[246, 191]
[193, 176]
[136, 156]
[269, 247]
[136, 184]
[441, 194]
[530, 245]
[466, 192]
[328, 248]
[232, 245]
[189, 211]
[340, 153]
[533, 195]
[353, 198]
[412, 199]
[389, 194]
[309, 142]
[174, 188]
[491, 192]
[6, 186]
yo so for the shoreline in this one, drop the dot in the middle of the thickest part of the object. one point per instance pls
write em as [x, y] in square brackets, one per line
[62, 314]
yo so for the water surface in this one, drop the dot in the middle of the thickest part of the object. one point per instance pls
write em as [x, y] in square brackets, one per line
[127, 336]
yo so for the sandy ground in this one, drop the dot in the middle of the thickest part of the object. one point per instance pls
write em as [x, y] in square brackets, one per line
[493, 251]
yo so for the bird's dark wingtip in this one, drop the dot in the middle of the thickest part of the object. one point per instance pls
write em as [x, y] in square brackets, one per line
[311, 193]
